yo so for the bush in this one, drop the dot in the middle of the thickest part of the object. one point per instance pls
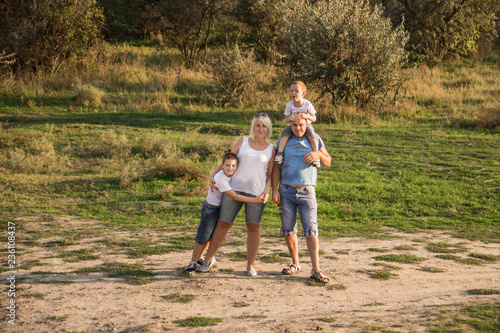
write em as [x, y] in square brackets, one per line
[235, 73]
[40, 157]
[43, 34]
[89, 96]
[181, 169]
[345, 48]
[447, 28]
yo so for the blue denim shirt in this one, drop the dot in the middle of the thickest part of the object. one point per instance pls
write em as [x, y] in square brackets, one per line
[294, 171]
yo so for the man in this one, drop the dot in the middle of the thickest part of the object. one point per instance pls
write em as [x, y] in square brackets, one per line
[297, 178]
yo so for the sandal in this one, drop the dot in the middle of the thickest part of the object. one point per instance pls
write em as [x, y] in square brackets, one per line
[292, 269]
[319, 276]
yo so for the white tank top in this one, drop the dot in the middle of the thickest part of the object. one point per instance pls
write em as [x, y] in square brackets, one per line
[250, 177]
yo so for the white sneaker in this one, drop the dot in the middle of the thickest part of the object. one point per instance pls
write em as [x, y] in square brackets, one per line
[278, 159]
[317, 163]
[205, 268]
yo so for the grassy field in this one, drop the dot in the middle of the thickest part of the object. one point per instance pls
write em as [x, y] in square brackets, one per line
[129, 142]
[132, 147]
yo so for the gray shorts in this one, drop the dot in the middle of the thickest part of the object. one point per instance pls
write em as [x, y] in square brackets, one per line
[230, 208]
[303, 199]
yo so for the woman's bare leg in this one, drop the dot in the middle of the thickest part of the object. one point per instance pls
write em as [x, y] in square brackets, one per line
[253, 243]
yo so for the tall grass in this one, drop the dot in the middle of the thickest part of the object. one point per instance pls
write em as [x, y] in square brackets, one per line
[136, 151]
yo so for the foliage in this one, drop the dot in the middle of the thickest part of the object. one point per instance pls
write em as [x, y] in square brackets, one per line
[443, 29]
[262, 27]
[345, 48]
[235, 73]
[187, 24]
[43, 34]
[123, 18]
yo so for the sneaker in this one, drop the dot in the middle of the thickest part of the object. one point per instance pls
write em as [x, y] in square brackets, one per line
[205, 268]
[200, 261]
[317, 163]
[278, 159]
[191, 267]
[251, 272]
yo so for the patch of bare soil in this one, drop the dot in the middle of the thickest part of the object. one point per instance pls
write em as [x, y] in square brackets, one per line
[51, 297]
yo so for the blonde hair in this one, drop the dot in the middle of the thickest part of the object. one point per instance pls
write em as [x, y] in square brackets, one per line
[267, 122]
[301, 84]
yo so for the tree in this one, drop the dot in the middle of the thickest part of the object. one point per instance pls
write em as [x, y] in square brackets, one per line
[447, 28]
[187, 24]
[344, 47]
[44, 33]
[263, 27]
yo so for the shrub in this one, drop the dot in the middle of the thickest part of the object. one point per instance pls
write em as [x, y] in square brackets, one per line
[43, 34]
[39, 157]
[346, 48]
[235, 73]
[111, 144]
[88, 96]
[156, 145]
[446, 28]
[169, 167]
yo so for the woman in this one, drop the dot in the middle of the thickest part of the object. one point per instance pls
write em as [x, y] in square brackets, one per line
[252, 179]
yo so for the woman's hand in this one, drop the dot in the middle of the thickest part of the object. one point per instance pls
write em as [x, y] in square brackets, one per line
[264, 197]
[211, 183]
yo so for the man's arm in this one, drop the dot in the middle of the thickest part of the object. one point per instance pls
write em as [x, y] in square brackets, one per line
[322, 154]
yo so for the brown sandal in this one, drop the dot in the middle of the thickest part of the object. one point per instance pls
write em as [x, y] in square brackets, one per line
[292, 269]
[319, 276]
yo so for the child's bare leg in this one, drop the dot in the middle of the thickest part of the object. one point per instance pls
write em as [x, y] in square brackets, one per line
[314, 143]
[314, 146]
[283, 141]
[279, 156]
[198, 250]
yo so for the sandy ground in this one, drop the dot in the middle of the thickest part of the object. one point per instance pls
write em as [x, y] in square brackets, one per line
[96, 302]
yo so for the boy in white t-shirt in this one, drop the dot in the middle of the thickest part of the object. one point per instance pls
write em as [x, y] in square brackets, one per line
[298, 107]
[211, 207]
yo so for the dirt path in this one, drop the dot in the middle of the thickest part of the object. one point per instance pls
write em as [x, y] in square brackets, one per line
[269, 302]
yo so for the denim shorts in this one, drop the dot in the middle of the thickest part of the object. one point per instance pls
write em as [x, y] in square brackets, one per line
[208, 221]
[309, 131]
[230, 208]
[303, 199]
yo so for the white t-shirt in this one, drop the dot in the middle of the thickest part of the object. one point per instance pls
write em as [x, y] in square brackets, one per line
[252, 170]
[307, 107]
[214, 197]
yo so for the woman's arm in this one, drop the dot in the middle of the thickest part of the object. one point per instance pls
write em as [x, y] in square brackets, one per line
[243, 198]
[269, 174]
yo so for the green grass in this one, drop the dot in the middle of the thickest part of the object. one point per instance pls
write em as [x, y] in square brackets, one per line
[432, 269]
[240, 304]
[381, 274]
[179, 298]
[402, 258]
[79, 255]
[134, 274]
[483, 292]
[198, 321]
[470, 318]
[464, 261]
[249, 316]
[485, 257]
[446, 248]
